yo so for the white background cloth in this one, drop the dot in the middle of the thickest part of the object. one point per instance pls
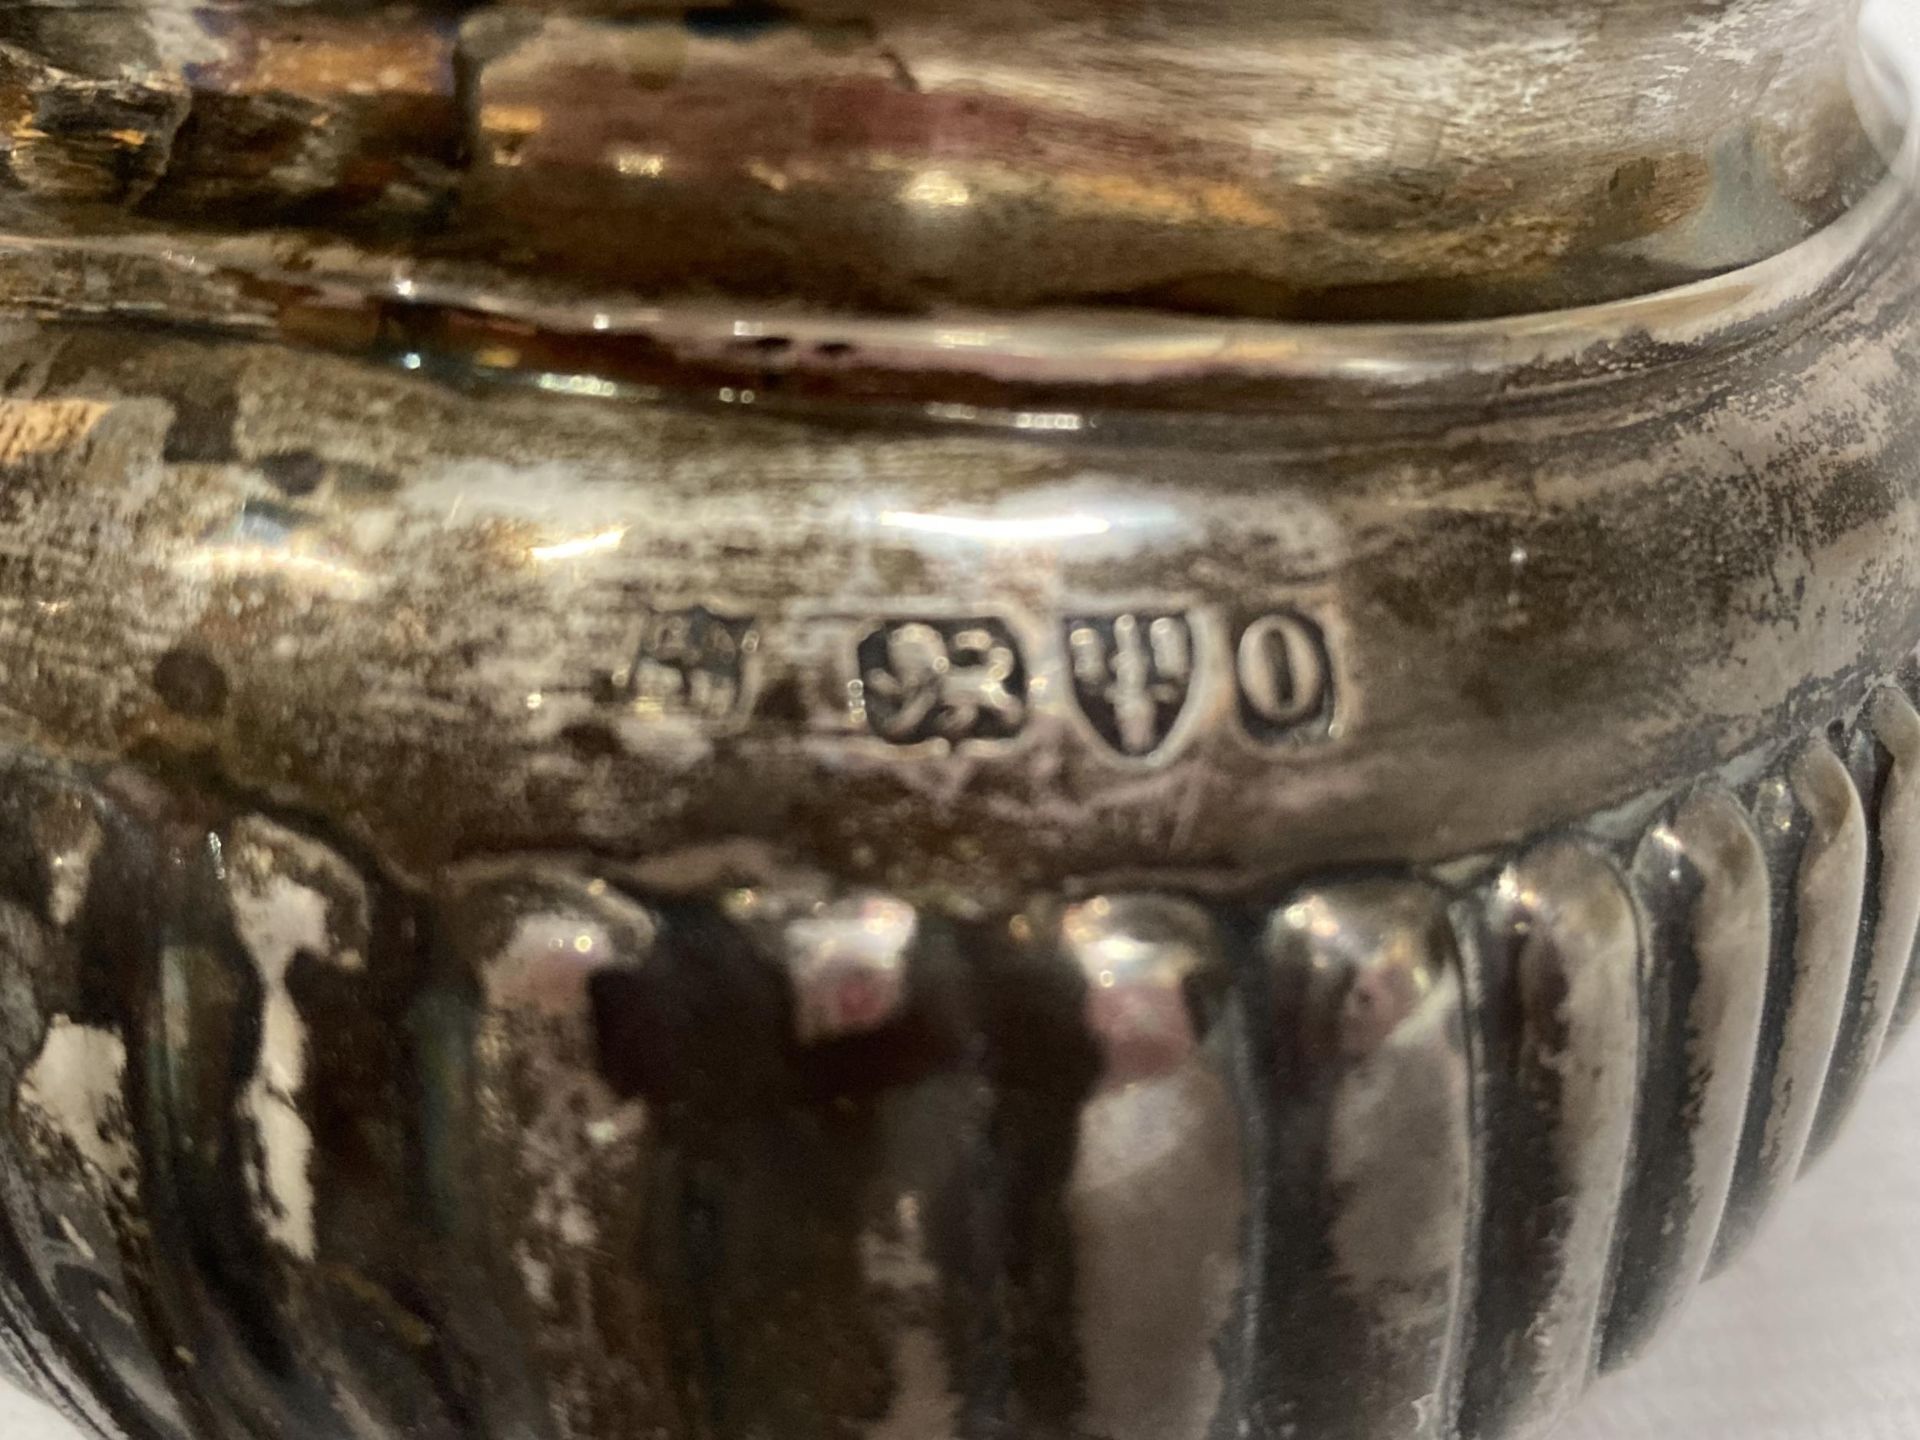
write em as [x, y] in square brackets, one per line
[1814, 1335]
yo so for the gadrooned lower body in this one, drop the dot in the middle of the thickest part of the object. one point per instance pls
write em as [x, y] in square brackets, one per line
[536, 1151]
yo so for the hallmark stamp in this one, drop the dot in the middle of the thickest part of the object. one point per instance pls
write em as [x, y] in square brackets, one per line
[1132, 675]
[1283, 677]
[948, 680]
[690, 661]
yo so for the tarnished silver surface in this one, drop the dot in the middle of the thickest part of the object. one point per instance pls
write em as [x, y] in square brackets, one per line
[1563, 984]
[597, 842]
[1885, 752]
[1703, 877]
[1823, 828]
[1333, 159]
[1370, 1223]
[544, 1149]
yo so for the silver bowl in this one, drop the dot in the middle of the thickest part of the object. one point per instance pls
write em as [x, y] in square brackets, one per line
[742, 725]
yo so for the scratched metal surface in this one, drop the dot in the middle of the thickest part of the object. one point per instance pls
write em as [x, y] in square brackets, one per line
[461, 614]
[296, 1147]
[579, 861]
[530, 912]
[1810, 1338]
[1325, 159]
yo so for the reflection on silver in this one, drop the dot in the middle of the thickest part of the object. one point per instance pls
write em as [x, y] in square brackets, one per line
[1559, 993]
[292, 899]
[301, 567]
[1372, 1162]
[556, 1157]
[847, 963]
[1702, 878]
[1158, 1194]
[1141, 956]
[1008, 529]
[1884, 963]
[68, 835]
[598, 542]
[1206, 1167]
[1813, 823]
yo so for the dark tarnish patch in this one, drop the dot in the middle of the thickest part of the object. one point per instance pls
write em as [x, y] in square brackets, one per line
[295, 472]
[203, 427]
[1364, 1261]
[192, 683]
[1045, 1065]
[751, 1238]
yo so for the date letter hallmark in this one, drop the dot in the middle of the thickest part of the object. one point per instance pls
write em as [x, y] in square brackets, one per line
[1132, 674]
[1285, 679]
[943, 680]
[690, 661]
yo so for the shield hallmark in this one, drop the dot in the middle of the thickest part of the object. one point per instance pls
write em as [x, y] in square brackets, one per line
[1132, 675]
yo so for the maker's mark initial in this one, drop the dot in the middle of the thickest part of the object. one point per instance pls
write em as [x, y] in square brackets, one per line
[688, 661]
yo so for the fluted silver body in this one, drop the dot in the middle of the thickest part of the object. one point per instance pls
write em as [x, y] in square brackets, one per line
[621, 814]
